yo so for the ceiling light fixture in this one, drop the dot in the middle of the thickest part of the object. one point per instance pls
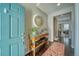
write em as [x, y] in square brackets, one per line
[58, 4]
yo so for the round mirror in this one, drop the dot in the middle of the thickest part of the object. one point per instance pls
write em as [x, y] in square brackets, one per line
[38, 21]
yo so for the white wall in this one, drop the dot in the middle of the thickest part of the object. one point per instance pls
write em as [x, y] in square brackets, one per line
[50, 22]
[30, 11]
[28, 17]
[37, 11]
[76, 30]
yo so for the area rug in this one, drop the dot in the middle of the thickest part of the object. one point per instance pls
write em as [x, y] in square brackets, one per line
[56, 49]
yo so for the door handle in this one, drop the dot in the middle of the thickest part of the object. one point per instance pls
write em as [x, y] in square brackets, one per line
[23, 34]
[23, 37]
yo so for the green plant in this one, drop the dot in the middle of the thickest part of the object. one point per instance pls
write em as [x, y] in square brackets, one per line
[34, 29]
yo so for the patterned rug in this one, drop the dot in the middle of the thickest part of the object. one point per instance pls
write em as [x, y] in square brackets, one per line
[56, 49]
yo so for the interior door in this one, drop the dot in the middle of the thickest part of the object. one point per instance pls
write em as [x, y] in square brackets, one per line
[11, 30]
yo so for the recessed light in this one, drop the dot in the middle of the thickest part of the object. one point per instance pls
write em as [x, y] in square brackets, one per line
[58, 4]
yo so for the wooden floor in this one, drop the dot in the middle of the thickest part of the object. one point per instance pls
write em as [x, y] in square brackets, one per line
[44, 49]
[68, 50]
[41, 51]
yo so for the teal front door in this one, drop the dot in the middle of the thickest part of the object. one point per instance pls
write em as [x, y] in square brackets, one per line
[11, 30]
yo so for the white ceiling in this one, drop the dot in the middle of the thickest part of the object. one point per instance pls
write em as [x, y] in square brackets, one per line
[50, 7]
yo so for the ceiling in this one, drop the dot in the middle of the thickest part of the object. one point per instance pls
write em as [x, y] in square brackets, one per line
[50, 7]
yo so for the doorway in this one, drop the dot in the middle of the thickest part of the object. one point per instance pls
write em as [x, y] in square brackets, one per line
[62, 31]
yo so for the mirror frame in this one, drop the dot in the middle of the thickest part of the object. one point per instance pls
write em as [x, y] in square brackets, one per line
[38, 17]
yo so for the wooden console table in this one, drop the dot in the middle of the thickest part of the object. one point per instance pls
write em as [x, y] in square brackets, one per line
[38, 41]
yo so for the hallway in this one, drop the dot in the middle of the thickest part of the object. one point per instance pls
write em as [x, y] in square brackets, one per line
[28, 29]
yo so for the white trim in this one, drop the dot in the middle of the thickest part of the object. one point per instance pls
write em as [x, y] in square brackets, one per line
[76, 52]
[50, 20]
[34, 20]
